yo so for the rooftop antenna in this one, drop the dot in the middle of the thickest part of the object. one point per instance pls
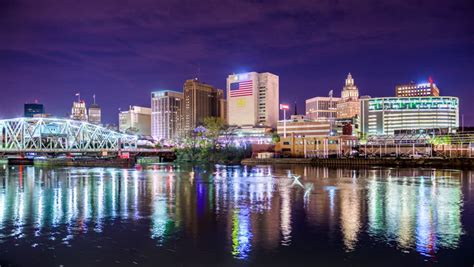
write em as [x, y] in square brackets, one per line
[93, 96]
[296, 109]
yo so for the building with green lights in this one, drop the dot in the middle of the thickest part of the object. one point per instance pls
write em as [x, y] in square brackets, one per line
[387, 115]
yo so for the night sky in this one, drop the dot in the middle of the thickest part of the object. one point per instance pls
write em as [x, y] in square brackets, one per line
[123, 50]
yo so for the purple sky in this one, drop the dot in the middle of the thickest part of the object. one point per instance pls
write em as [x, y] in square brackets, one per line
[122, 50]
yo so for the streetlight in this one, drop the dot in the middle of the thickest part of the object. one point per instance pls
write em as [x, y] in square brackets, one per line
[284, 107]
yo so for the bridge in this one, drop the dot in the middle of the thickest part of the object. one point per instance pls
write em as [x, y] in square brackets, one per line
[54, 135]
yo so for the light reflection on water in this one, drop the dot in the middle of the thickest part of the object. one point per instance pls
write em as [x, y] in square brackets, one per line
[256, 207]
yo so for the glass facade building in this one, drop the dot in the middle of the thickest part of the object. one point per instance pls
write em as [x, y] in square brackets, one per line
[387, 115]
[166, 114]
[201, 100]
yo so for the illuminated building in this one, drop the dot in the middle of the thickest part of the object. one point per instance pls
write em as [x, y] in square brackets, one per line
[387, 115]
[166, 114]
[136, 120]
[253, 99]
[32, 109]
[95, 114]
[308, 147]
[299, 126]
[200, 101]
[79, 111]
[413, 90]
[349, 105]
[322, 107]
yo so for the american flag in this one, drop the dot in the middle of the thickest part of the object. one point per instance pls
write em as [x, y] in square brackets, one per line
[242, 88]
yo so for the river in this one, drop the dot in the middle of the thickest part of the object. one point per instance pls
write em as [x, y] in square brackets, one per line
[172, 215]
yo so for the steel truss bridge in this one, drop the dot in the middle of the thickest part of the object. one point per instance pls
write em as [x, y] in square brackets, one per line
[447, 145]
[53, 135]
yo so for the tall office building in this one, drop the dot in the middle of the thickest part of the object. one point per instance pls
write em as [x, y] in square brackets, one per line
[389, 115]
[79, 110]
[32, 109]
[95, 113]
[253, 99]
[136, 120]
[414, 90]
[322, 107]
[200, 101]
[223, 110]
[166, 114]
[349, 105]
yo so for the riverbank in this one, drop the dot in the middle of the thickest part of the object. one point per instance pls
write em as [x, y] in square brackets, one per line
[467, 163]
[84, 162]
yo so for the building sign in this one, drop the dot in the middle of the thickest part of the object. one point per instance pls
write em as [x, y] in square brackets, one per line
[284, 106]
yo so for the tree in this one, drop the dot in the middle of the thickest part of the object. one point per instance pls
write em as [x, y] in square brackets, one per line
[275, 138]
[214, 126]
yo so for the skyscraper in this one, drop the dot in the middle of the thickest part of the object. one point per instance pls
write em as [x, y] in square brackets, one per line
[32, 109]
[79, 110]
[166, 114]
[95, 114]
[253, 99]
[349, 105]
[200, 101]
[136, 120]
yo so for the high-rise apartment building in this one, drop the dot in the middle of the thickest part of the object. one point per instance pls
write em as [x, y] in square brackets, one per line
[253, 99]
[414, 90]
[32, 109]
[136, 120]
[79, 111]
[349, 105]
[200, 101]
[322, 107]
[166, 114]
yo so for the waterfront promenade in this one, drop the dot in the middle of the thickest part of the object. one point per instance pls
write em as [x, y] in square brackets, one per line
[388, 162]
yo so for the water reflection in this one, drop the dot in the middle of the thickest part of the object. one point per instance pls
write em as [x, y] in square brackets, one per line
[256, 207]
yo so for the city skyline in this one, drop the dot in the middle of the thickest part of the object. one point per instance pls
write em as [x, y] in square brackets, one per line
[52, 51]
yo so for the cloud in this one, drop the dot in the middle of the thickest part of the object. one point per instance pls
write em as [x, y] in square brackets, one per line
[117, 45]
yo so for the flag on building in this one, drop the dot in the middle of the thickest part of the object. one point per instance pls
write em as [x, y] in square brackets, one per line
[242, 88]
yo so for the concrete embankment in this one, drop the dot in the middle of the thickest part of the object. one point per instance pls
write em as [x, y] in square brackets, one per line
[85, 162]
[389, 162]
